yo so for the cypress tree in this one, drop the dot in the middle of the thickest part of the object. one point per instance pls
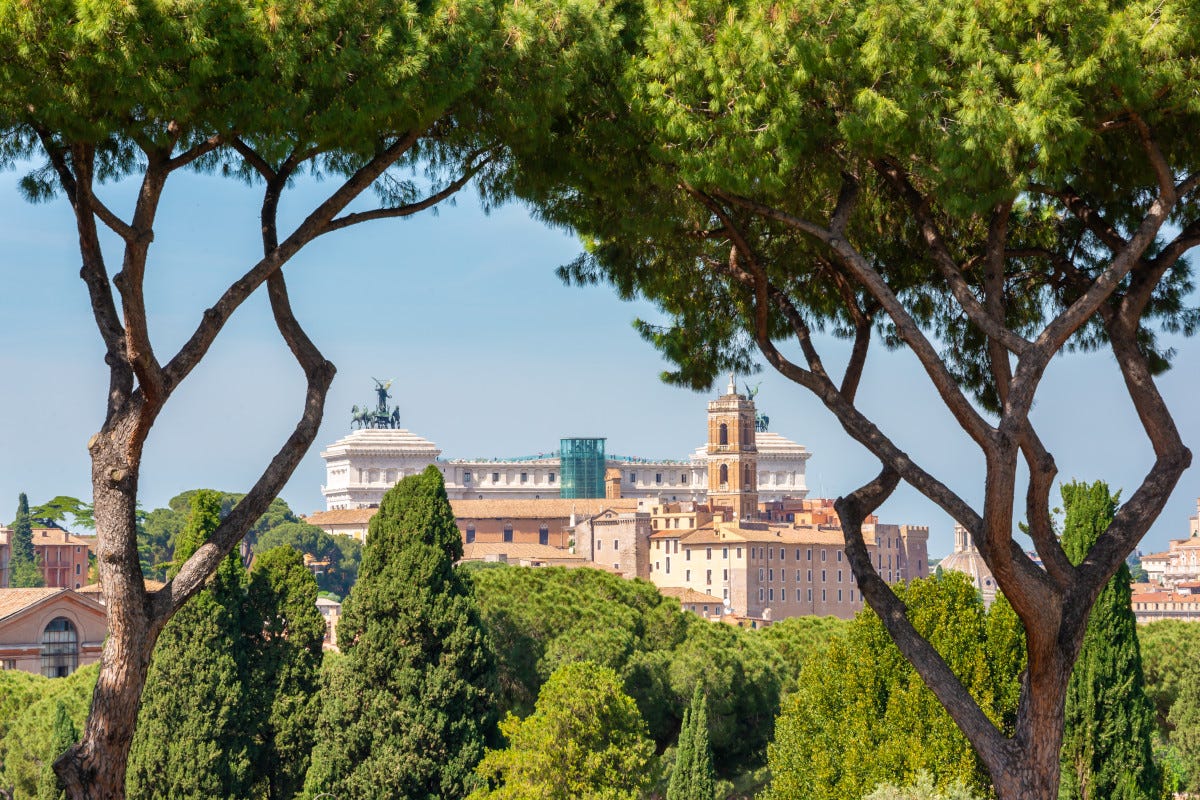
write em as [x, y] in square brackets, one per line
[283, 668]
[1109, 720]
[22, 565]
[193, 737]
[64, 736]
[407, 709]
[693, 777]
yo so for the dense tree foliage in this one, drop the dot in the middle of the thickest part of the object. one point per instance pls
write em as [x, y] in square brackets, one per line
[341, 554]
[920, 789]
[1185, 719]
[30, 741]
[540, 619]
[1109, 732]
[284, 632]
[585, 740]
[230, 705]
[65, 734]
[983, 184]
[23, 568]
[408, 709]
[861, 716]
[692, 775]
[195, 733]
[1168, 649]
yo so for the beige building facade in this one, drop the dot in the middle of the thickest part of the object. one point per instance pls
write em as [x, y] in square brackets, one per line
[49, 631]
[62, 556]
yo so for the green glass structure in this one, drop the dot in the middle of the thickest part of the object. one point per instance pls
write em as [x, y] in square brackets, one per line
[582, 468]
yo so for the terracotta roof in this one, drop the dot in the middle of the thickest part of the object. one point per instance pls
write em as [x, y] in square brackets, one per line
[1156, 556]
[342, 516]
[1165, 597]
[13, 601]
[553, 507]
[95, 588]
[544, 508]
[477, 551]
[44, 536]
[686, 595]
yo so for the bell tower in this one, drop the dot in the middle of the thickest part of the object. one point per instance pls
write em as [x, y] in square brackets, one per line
[732, 454]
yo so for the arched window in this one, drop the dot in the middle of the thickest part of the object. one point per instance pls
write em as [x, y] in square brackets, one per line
[747, 477]
[723, 435]
[60, 648]
[724, 479]
[470, 534]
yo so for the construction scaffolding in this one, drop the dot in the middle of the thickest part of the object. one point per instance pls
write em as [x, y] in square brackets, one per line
[582, 466]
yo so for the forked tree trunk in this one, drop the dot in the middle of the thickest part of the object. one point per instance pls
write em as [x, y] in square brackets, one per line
[94, 769]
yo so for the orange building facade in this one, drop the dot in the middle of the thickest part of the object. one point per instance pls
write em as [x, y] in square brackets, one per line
[62, 556]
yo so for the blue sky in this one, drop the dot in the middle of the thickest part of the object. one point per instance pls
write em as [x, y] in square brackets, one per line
[491, 355]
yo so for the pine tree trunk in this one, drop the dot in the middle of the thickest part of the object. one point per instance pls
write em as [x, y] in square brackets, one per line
[94, 769]
[1031, 765]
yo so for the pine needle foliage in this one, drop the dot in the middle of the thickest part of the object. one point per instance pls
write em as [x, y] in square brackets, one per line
[65, 735]
[1109, 721]
[409, 707]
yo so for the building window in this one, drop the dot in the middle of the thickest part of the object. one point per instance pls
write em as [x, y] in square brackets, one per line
[708, 553]
[822, 555]
[495, 477]
[598, 544]
[466, 476]
[633, 477]
[683, 478]
[797, 576]
[771, 575]
[708, 577]
[657, 566]
[782, 554]
[851, 595]
[508, 533]
[760, 573]
[687, 574]
[78, 568]
[839, 552]
[668, 570]
[552, 477]
[808, 554]
[739, 552]
[658, 477]
[524, 477]
[687, 555]
[810, 576]
[761, 593]
[839, 576]
[822, 576]
[470, 533]
[724, 574]
[771, 595]
[810, 595]
[724, 475]
[60, 648]
[725, 594]
[839, 595]
[723, 434]
[543, 534]
[724, 552]
[797, 552]
[616, 544]
[770, 553]
[822, 595]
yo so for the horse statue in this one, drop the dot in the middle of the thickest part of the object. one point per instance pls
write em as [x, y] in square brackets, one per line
[360, 417]
[761, 422]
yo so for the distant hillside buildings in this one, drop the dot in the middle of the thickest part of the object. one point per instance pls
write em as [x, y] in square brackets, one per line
[62, 557]
[729, 532]
[1172, 590]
